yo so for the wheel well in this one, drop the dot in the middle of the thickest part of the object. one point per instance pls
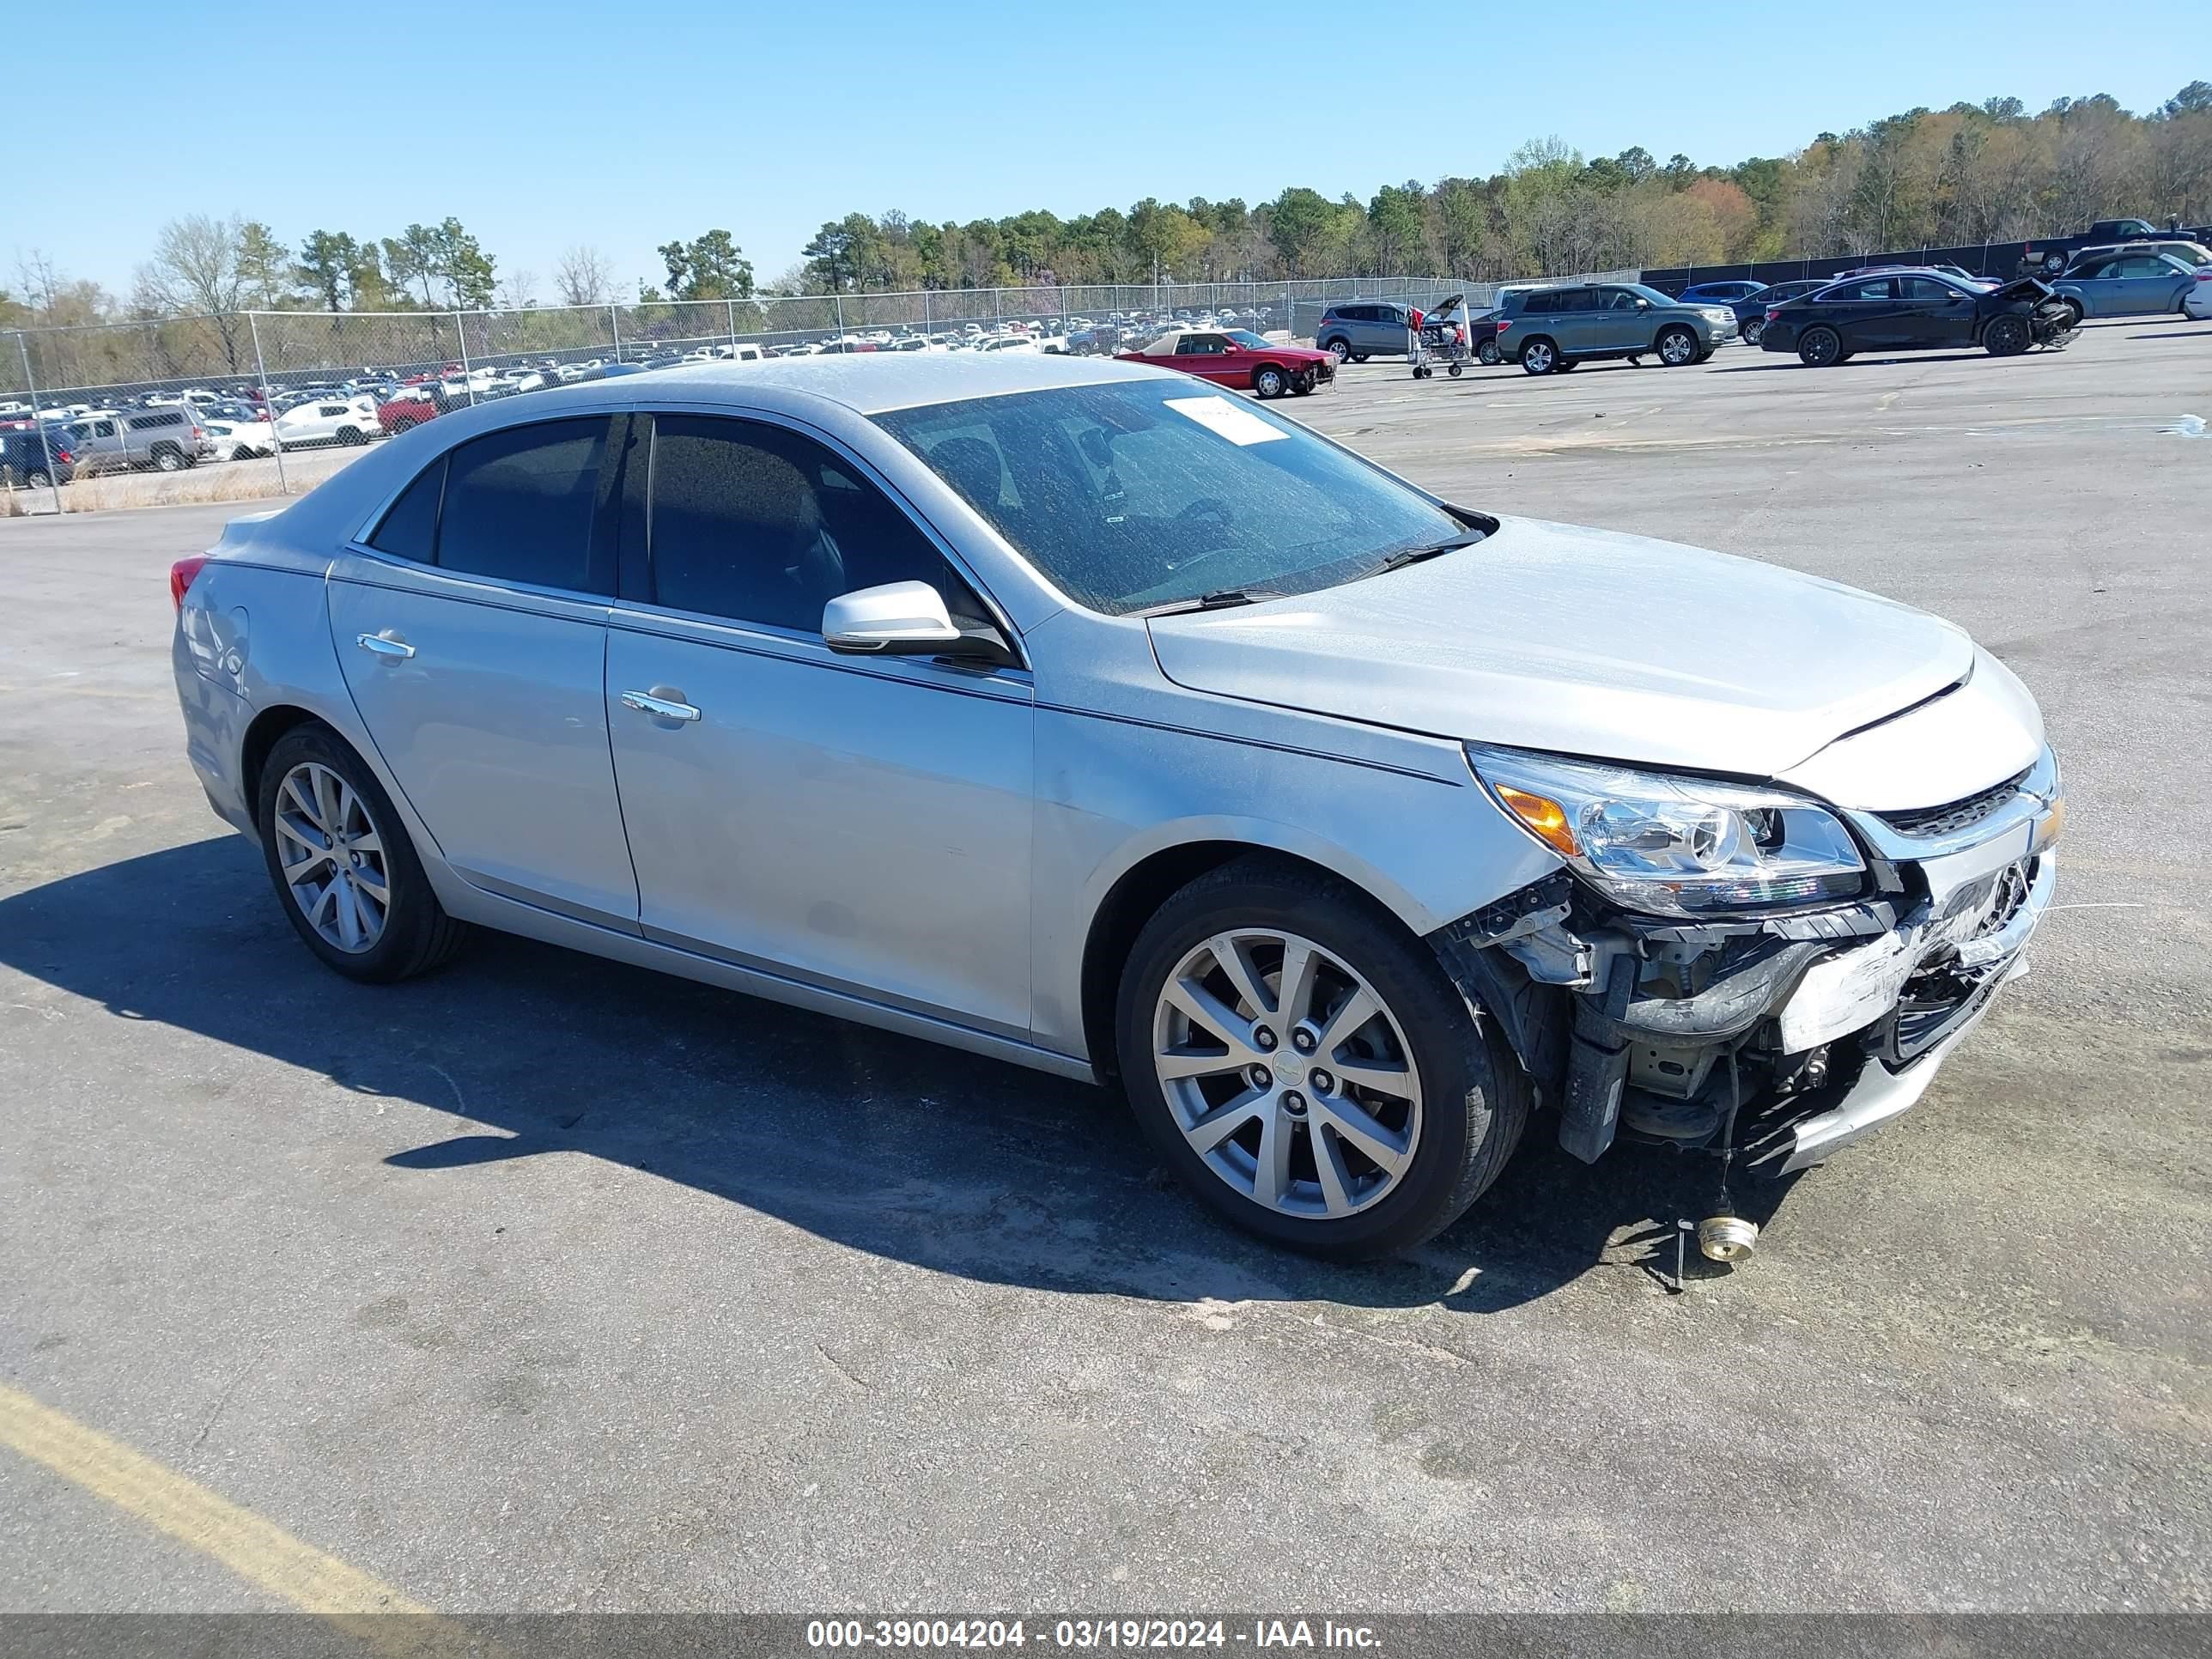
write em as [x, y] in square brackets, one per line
[1521, 347]
[1132, 903]
[269, 725]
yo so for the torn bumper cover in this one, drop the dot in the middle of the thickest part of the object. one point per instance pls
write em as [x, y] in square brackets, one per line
[1790, 1036]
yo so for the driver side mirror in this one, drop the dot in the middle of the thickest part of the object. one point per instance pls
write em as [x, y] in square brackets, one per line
[1643, 304]
[905, 619]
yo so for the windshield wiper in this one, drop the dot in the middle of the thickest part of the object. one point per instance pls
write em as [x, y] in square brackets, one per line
[1407, 555]
[1220, 600]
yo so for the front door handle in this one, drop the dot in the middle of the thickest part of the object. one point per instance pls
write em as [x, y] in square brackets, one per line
[386, 645]
[663, 703]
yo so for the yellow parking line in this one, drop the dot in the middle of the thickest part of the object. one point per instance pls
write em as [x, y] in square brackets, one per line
[258, 1551]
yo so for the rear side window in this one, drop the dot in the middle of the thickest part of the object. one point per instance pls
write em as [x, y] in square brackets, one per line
[410, 530]
[520, 505]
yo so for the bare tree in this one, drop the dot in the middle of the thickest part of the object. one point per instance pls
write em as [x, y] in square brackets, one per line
[518, 291]
[584, 276]
[201, 266]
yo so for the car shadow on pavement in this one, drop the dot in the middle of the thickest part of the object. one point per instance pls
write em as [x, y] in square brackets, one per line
[882, 1143]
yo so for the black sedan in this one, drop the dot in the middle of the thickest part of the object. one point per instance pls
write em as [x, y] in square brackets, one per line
[1914, 311]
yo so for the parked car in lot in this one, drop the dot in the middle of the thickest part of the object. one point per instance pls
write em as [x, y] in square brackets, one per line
[1751, 311]
[241, 440]
[2127, 283]
[2050, 255]
[411, 408]
[33, 457]
[1551, 330]
[2197, 304]
[1719, 294]
[1355, 333]
[1236, 357]
[331, 420]
[1119, 731]
[1916, 311]
[167, 439]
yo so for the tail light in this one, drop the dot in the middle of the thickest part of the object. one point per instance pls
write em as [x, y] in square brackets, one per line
[1504, 323]
[1772, 312]
[2204, 273]
[180, 577]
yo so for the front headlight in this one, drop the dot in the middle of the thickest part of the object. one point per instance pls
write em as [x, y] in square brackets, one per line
[1674, 846]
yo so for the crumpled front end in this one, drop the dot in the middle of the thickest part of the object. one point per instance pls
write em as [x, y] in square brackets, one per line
[1778, 1039]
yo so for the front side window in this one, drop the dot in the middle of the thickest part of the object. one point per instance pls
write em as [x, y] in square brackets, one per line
[1926, 289]
[757, 524]
[1136, 494]
[520, 505]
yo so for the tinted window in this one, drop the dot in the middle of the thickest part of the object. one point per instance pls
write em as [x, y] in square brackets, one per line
[1874, 287]
[520, 505]
[1926, 289]
[410, 530]
[142, 423]
[1537, 303]
[1616, 299]
[762, 525]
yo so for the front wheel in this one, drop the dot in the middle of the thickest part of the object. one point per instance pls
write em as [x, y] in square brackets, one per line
[1677, 346]
[1820, 348]
[2073, 315]
[168, 460]
[2005, 337]
[1268, 381]
[1307, 1068]
[1304, 383]
[345, 871]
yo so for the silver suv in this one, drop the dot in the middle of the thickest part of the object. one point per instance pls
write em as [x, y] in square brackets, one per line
[167, 439]
[1078, 714]
[1550, 330]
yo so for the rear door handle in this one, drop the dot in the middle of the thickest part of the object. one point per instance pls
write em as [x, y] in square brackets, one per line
[385, 645]
[668, 707]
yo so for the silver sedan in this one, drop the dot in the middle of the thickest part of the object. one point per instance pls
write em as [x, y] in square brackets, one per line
[1087, 717]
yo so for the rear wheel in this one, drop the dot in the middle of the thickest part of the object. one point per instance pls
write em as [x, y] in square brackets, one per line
[343, 868]
[2005, 337]
[1676, 347]
[1341, 349]
[1268, 381]
[243, 452]
[1487, 354]
[1820, 348]
[1539, 357]
[37, 477]
[1753, 329]
[168, 459]
[1307, 1068]
[350, 436]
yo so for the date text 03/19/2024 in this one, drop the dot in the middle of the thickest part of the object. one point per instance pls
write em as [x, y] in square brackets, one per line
[1082, 1635]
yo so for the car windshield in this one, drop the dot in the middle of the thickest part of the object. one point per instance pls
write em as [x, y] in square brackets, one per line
[1245, 338]
[1136, 495]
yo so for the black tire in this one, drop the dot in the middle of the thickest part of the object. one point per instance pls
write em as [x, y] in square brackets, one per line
[1340, 348]
[1539, 356]
[1677, 347]
[1753, 329]
[1566, 365]
[169, 458]
[2007, 337]
[1476, 1097]
[418, 935]
[1304, 383]
[38, 478]
[1704, 356]
[243, 452]
[1452, 369]
[1820, 347]
[1487, 354]
[351, 436]
[1359, 356]
[1269, 381]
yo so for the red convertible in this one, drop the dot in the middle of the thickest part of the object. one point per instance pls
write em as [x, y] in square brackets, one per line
[1236, 357]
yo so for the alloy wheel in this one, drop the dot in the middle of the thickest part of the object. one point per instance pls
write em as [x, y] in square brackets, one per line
[332, 858]
[1287, 1074]
[1677, 349]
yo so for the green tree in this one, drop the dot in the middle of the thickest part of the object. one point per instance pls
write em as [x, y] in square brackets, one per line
[708, 267]
[328, 260]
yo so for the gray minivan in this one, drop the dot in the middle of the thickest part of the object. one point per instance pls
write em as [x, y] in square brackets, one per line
[1553, 329]
[1361, 330]
[167, 438]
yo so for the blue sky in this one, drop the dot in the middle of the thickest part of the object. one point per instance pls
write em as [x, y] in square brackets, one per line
[554, 123]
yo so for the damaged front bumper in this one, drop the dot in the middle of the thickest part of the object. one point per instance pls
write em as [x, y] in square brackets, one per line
[1781, 1039]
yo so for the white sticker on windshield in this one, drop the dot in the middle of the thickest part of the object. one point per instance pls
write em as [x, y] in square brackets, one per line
[1218, 415]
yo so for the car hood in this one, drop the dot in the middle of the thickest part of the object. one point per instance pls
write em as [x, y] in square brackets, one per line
[1583, 642]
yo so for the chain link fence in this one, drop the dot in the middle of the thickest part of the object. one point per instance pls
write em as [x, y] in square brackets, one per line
[279, 397]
